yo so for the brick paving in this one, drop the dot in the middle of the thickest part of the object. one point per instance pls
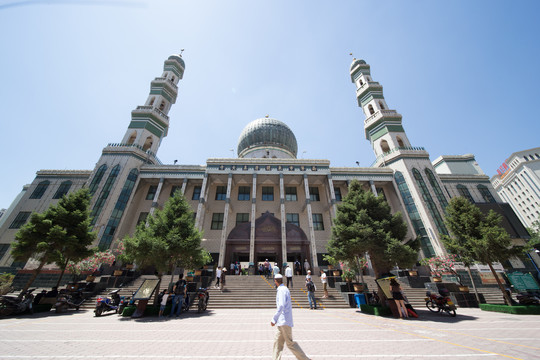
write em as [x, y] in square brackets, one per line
[247, 334]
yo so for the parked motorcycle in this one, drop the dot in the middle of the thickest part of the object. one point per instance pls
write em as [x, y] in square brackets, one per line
[528, 298]
[12, 305]
[104, 304]
[67, 300]
[126, 301]
[202, 296]
[436, 303]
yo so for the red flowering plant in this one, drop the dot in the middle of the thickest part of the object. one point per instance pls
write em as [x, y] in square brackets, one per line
[443, 264]
[91, 263]
[351, 270]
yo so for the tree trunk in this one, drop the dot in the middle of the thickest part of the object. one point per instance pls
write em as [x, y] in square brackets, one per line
[505, 295]
[361, 270]
[62, 274]
[156, 296]
[473, 284]
[34, 276]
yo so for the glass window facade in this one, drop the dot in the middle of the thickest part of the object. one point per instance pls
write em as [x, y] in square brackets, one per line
[196, 193]
[337, 193]
[40, 189]
[98, 206]
[484, 191]
[293, 219]
[318, 223]
[217, 221]
[243, 193]
[290, 193]
[20, 220]
[429, 202]
[97, 179]
[314, 194]
[267, 193]
[463, 191]
[221, 193]
[242, 218]
[63, 189]
[436, 188]
[151, 192]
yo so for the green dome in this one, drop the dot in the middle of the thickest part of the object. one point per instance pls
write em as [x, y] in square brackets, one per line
[357, 62]
[179, 59]
[267, 133]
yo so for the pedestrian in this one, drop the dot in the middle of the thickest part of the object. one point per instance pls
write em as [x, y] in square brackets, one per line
[266, 268]
[218, 277]
[223, 273]
[163, 303]
[288, 275]
[308, 276]
[297, 267]
[232, 268]
[306, 266]
[179, 295]
[395, 288]
[310, 287]
[284, 321]
[324, 282]
[275, 270]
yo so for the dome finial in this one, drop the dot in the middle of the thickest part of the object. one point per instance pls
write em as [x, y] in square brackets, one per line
[181, 51]
[266, 116]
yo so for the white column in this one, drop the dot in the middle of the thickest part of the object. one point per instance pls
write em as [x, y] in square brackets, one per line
[253, 210]
[225, 221]
[156, 196]
[313, 246]
[200, 208]
[283, 222]
[184, 184]
[332, 198]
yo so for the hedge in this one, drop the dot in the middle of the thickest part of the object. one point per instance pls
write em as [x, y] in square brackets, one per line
[516, 310]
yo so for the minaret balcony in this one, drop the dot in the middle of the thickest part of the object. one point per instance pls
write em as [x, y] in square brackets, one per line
[368, 86]
[400, 151]
[378, 115]
[150, 156]
[162, 80]
[149, 109]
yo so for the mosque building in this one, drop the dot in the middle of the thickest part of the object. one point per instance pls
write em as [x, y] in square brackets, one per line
[266, 203]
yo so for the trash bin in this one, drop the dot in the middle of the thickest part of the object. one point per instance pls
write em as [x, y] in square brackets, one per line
[360, 299]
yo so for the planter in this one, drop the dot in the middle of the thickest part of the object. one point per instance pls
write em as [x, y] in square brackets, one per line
[336, 273]
[358, 287]
[464, 289]
[198, 272]
[90, 278]
[330, 267]
[189, 278]
[129, 267]
[413, 273]
[437, 279]
[117, 273]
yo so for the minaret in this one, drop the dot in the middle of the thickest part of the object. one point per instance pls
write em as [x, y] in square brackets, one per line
[117, 172]
[415, 178]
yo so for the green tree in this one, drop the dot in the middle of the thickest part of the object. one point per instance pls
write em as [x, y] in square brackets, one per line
[170, 239]
[365, 224]
[477, 237]
[59, 234]
[534, 231]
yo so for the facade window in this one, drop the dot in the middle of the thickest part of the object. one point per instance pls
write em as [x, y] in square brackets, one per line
[318, 222]
[290, 193]
[174, 189]
[196, 193]
[40, 190]
[3, 249]
[97, 179]
[62, 189]
[151, 192]
[337, 193]
[268, 193]
[463, 191]
[436, 188]
[484, 191]
[381, 105]
[98, 206]
[221, 193]
[371, 111]
[293, 219]
[242, 218]
[418, 225]
[314, 194]
[439, 222]
[20, 219]
[142, 218]
[118, 210]
[217, 221]
[243, 193]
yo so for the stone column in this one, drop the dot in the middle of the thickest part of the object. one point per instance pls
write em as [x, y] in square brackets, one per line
[184, 185]
[313, 246]
[332, 198]
[225, 221]
[283, 222]
[253, 214]
[156, 197]
[373, 188]
[200, 208]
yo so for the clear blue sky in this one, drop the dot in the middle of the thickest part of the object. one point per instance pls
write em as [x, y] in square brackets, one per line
[465, 76]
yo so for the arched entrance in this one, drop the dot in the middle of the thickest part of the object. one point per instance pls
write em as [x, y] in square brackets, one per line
[268, 244]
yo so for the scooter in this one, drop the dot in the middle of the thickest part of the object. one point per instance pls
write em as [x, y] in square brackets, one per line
[528, 298]
[11, 305]
[104, 304]
[436, 303]
[202, 296]
[125, 301]
[66, 300]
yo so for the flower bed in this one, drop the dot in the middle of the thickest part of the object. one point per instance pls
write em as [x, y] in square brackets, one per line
[516, 310]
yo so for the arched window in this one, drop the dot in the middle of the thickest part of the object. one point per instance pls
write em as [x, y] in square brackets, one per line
[400, 142]
[463, 191]
[119, 208]
[436, 188]
[162, 105]
[484, 191]
[429, 202]
[63, 189]
[148, 143]
[361, 82]
[172, 78]
[381, 105]
[537, 156]
[104, 194]
[132, 138]
[97, 179]
[40, 189]
[152, 101]
[384, 146]
[414, 216]
[371, 111]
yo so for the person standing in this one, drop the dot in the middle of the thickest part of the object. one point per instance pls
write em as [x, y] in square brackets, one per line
[284, 321]
[306, 266]
[395, 288]
[275, 270]
[310, 287]
[223, 273]
[288, 275]
[297, 267]
[179, 295]
[164, 299]
[266, 268]
[324, 282]
[218, 277]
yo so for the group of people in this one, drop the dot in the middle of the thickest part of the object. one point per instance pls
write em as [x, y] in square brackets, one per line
[177, 296]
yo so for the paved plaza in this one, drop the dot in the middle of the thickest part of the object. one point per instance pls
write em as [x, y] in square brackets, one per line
[247, 334]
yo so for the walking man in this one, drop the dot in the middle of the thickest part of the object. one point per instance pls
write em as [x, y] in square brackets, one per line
[324, 281]
[310, 287]
[284, 321]
[218, 277]
[179, 295]
[288, 275]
